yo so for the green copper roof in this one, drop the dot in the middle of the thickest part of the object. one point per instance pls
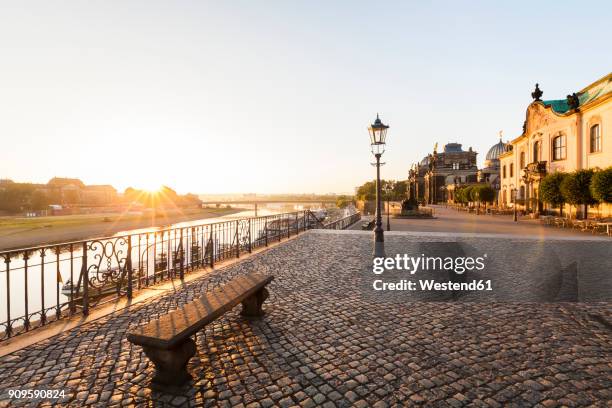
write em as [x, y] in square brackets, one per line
[559, 105]
[588, 94]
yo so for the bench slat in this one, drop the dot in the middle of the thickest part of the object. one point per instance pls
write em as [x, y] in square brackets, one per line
[176, 326]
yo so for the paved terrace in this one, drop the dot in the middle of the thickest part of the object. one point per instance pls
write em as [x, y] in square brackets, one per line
[326, 341]
[451, 220]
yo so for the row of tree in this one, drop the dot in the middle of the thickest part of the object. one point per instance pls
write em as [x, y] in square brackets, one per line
[581, 187]
[475, 193]
[17, 197]
[392, 190]
[25, 197]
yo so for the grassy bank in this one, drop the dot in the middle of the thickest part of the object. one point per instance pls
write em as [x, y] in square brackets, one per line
[22, 232]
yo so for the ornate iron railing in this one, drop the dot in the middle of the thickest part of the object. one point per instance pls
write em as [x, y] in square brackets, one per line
[343, 223]
[46, 283]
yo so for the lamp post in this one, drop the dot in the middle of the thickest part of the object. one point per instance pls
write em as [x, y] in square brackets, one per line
[513, 192]
[378, 134]
[388, 190]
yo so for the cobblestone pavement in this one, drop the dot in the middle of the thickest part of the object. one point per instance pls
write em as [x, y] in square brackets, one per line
[325, 342]
[451, 220]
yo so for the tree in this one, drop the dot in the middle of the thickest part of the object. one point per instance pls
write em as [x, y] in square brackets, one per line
[469, 194]
[400, 190]
[484, 194]
[601, 185]
[343, 201]
[461, 195]
[16, 197]
[367, 191]
[576, 190]
[39, 200]
[550, 190]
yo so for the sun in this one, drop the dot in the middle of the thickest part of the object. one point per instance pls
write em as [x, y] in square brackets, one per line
[152, 188]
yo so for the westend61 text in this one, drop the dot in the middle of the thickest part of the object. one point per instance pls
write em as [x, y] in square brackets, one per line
[430, 284]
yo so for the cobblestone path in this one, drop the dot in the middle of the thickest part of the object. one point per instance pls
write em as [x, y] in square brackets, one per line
[324, 342]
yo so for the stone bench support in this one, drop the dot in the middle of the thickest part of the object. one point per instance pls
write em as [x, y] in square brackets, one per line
[167, 340]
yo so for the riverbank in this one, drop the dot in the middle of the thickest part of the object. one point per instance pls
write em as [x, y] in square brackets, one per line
[27, 232]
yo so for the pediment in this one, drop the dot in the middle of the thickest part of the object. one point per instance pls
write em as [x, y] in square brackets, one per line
[538, 117]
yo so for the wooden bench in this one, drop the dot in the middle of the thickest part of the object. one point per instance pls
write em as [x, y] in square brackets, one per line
[167, 340]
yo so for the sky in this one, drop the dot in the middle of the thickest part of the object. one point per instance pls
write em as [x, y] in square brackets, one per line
[275, 96]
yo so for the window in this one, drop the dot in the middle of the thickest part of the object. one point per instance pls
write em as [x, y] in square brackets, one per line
[595, 139]
[559, 149]
[522, 162]
[504, 172]
[511, 169]
[536, 152]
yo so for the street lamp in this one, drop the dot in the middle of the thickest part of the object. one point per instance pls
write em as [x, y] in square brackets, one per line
[378, 134]
[388, 190]
[513, 192]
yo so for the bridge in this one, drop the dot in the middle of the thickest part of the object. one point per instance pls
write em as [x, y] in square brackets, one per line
[271, 201]
[255, 203]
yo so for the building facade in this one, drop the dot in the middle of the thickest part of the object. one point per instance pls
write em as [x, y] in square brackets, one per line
[558, 135]
[430, 179]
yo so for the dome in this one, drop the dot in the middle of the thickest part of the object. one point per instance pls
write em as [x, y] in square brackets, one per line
[453, 148]
[424, 162]
[496, 150]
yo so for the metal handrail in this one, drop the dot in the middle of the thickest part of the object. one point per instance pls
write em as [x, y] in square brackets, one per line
[50, 282]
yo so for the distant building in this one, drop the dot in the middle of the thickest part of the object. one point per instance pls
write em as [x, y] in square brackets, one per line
[558, 135]
[65, 190]
[72, 191]
[429, 180]
[104, 194]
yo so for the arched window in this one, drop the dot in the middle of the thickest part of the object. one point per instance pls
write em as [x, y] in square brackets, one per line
[511, 169]
[504, 171]
[559, 147]
[595, 145]
[536, 152]
[522, 161]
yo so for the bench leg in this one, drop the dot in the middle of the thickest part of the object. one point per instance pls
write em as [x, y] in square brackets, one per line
[171, 365]
[251, 307]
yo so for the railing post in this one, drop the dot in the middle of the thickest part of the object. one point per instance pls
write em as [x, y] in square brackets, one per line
[43, 314]
[237, 240]
[266, 229]
[26, 321]
[7, 261]
[297, 227]
[304, 226]
[250, 243]
[85, 278]
[128, 266]
[182, 256]
[212, 249]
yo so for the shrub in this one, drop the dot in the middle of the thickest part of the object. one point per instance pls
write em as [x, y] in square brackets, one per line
[550, 190]
[576, 188]
[484, 193]
[601, 185]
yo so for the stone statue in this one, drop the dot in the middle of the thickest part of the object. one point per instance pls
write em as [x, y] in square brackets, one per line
[537, 93]
[572, 101]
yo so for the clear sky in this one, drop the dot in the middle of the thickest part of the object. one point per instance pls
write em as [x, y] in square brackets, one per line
[275, 96]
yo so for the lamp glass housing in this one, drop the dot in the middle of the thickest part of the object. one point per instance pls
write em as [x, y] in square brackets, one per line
[378, 136]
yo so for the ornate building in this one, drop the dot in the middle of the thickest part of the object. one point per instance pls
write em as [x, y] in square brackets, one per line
[558, 135]
[490, 172]
[429, 180]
